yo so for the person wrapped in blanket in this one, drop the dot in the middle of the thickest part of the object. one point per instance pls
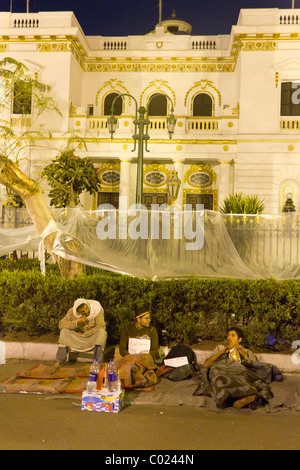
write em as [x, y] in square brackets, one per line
[138, 348]
[233, 383]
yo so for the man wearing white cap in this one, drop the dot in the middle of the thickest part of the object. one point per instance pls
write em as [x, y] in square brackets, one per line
[139, 338]
[82, 329]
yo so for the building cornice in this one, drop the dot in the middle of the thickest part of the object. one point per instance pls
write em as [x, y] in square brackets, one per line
[204, 62]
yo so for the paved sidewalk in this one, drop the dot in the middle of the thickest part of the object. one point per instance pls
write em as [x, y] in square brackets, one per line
[56, 422]
[47, 352]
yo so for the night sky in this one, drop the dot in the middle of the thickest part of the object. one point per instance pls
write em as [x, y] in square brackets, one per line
[131, 17]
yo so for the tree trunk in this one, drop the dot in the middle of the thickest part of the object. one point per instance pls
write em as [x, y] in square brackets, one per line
[11, 176]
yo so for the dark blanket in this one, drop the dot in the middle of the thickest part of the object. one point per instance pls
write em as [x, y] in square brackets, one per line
[227, 381]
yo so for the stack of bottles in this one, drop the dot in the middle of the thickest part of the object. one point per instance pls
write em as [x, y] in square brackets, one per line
[105, 379]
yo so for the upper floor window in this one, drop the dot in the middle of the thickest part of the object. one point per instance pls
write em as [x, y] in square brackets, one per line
[202, 105]
[22, 97]
[118, 105]
[158, 105]
[290, 99]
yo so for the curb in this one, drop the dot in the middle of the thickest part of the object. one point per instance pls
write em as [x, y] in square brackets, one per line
[47, 352]
[31, 351]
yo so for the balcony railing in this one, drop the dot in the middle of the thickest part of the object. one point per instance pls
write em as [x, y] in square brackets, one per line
[289, 18]
[25, 21]
[205, 43]
[202, 125]
[158, 123]
[157, 126]
[115, 45]
[97, 123]
[290, 124]
[20, 121]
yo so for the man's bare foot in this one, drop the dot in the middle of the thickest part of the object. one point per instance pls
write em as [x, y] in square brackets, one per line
[244, 401]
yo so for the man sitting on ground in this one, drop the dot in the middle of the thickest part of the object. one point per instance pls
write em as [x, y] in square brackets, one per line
[139, 338]
[82, 329]
[138, 347]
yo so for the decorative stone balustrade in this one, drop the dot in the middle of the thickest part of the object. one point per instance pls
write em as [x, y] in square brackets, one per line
[20, 121]
[202, 125]
[158, 125]
[290, 124]
[97, 123]
[25, 21]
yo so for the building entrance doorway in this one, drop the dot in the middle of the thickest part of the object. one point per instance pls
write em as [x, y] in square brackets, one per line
[109, 198]
[206, 199]
[154, 198]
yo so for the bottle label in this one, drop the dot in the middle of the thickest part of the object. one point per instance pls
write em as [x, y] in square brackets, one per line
[93, 377]
[111, 376]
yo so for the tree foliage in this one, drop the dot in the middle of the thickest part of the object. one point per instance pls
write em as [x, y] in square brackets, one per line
[68, 176]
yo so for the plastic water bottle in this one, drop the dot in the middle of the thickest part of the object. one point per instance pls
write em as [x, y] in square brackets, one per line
[2, 352]
[94, 371]
[112, 376]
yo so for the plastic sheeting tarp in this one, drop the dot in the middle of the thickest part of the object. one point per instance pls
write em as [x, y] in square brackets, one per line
[146, 244]
[23, 239]
[166, 244]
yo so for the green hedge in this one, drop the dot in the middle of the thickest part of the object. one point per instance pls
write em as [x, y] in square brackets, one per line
[186, 310]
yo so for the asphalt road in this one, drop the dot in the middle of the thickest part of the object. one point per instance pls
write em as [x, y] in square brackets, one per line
[45, 422]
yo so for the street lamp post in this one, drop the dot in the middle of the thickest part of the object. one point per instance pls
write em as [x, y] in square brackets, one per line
[141, 125]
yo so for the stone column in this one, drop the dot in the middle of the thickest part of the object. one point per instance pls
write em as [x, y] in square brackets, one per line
[226, 183]
[125, 180]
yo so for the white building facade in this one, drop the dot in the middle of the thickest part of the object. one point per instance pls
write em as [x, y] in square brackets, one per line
[235, 99]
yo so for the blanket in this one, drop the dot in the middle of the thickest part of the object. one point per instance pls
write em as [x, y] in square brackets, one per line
[227, 381]
[46, 379]
[138, 372]
[286, 395]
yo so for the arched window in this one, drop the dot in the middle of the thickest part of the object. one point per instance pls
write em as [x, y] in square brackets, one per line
[202, 105]
[158, 105]
[108, 101]
[22, 97]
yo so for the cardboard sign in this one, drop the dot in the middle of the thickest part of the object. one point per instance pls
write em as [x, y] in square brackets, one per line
[139, 346]
[176, 361]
